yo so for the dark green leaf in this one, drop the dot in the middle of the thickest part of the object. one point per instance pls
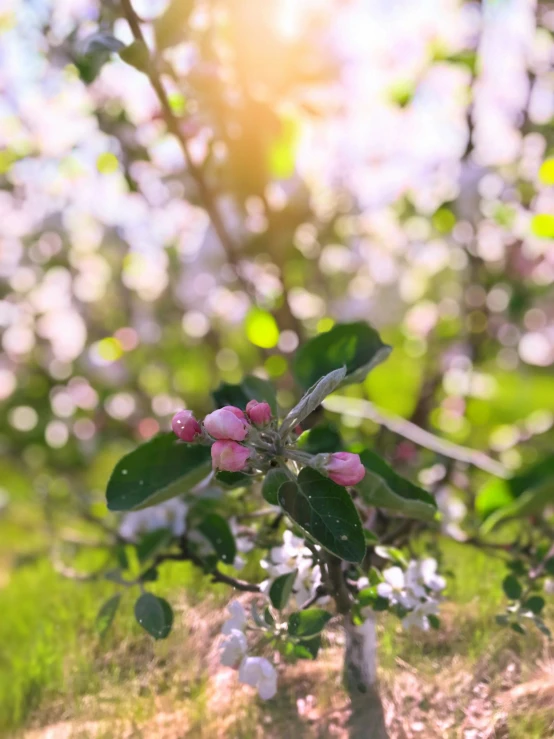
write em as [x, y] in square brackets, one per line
[380, 604]
[549, 566]
[156, 471]
[383, 488]
[307, 649]
[217, 532]
[309, 623]
[268, 618]
[273, 481]
[434, 621]
[137, 55]
[154, 615]
[502, 619]
[251, 388]
[153, 542]
[511, 587]
[106, 614]
[281, 588]
[542, 627]
[233, 479]
[535, 604]
[517, 628]
[150, 575]
[354, 345]
[326, 512]
[324, 438]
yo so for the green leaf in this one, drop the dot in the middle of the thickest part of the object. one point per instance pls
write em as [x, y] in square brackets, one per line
[312, 399]
[233, 479]
[268, 617]
[251, 388]
[355, 345]
[309, 623]
[106, 614]
[307, 649]
[137, 55]
[370, 538]
[517, 628]
[154, 615]
[434, 621]
[511, 587]
[383, 488]
[152, 542]
[498, 494]
[171, 27]
[528, 504]
[549, 565]
[325, 511]
[535, 604]
[322, 439]
[217, 532]
[281, 588]
[391, 553]
[272, 482]
[156, 471]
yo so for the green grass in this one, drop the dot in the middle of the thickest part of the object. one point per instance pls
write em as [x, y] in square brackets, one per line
[52, 659]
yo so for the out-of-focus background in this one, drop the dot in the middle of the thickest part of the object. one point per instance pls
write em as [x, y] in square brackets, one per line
[383, 161]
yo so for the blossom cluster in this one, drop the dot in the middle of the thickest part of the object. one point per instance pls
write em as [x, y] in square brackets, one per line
[238, 438]
[292, 555]
[416, 590]
[257, 672]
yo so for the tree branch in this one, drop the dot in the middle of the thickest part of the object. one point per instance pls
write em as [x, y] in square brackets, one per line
[365, 409]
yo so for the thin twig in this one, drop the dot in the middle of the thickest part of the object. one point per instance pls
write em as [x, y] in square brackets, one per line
[366, 409]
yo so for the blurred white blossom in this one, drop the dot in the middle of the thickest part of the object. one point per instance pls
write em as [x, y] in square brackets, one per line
[168, 515]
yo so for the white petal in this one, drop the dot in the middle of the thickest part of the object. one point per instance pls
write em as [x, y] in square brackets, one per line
[384, 590]
[250, 671]
[395, 577]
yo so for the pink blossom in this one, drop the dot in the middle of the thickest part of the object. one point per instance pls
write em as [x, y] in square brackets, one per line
[229, 456]
[225, 423]
[185, 426]
[344, 468]
[259, 413]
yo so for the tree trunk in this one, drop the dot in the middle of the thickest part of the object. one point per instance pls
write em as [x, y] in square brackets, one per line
[360, 674]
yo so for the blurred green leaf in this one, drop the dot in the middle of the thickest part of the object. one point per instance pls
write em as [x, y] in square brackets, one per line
[309, 623]
[383, 488]
[281, 588]
[171, 27]
[156, 471]
[217, 532]
[512, 587]
[251, 388]
[106, 614]
[321, 439]
[271, 484]
[354, 345]
[137, 55]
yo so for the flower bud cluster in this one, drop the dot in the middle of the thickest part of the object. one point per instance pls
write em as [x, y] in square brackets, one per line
[242, 439]
[225, 429]
[255, 671]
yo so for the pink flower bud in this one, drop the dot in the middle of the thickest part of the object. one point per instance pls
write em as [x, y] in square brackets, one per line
[235, 411]
[226, 424]
[185, 426]
[229, 456]
[344, 468]
[259, 413]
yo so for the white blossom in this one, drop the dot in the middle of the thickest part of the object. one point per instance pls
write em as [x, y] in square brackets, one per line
[168, 515]
[233, 648]
[453, 511]
[417, 590]
[243, 543]
[259, 673]
[292, 555]
[238, 618]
